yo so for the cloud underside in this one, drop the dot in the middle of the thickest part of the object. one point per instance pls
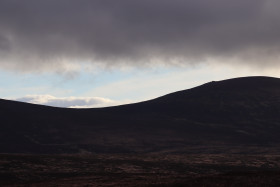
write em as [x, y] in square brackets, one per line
[69, 102]
[47, 35]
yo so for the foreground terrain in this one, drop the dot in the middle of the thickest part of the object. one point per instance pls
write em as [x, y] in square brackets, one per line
[140, 170]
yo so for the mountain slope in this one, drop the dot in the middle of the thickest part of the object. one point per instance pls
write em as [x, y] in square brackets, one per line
[236, 112]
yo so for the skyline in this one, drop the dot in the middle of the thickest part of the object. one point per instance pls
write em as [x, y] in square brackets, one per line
[115, 88]
[104, 53]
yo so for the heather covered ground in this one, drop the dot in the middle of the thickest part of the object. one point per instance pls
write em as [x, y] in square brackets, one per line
[140, 170]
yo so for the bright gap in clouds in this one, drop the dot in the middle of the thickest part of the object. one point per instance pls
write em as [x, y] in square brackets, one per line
[116, 86]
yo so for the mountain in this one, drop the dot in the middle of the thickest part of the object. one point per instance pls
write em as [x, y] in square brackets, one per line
[237, 113]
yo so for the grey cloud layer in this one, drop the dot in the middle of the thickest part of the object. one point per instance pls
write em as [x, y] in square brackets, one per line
[43, 34]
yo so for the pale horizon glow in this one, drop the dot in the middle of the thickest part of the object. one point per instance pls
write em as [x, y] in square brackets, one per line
[118, 87]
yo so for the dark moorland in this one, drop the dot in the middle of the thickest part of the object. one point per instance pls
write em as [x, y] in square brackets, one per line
[224, 133]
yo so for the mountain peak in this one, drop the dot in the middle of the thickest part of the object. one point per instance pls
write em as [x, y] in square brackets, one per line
[252, 84]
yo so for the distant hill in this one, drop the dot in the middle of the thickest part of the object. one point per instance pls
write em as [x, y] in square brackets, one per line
[217, 116]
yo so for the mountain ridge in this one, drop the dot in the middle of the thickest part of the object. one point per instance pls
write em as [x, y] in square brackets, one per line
[205, 84]
[241, 111]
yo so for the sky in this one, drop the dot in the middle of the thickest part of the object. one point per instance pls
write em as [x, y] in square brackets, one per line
[97, 53]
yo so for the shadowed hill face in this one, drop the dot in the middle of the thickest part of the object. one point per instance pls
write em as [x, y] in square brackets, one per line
[246, 86]
[246, 97]
[238, 111]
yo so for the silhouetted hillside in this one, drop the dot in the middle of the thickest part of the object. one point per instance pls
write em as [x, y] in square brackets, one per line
[237, 112]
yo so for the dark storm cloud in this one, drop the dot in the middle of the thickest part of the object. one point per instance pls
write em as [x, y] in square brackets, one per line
[45, 34]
